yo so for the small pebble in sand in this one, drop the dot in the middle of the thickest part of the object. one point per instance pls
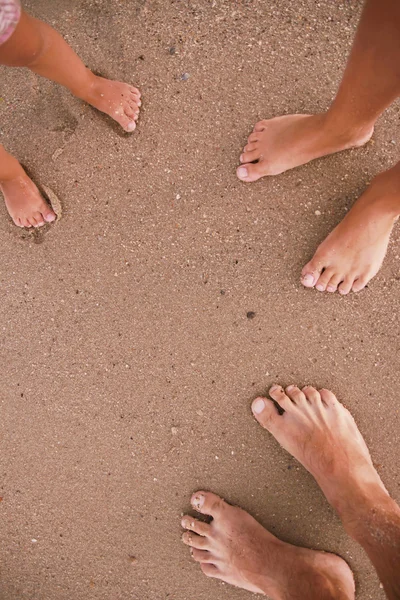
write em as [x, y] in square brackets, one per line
[174, 430]
[33, 541]
[251, 314]
[132, 560]
[317, 212]
[185, 76]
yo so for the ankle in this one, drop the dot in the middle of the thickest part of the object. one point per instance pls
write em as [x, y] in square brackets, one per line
[87, 88]
[348, 132]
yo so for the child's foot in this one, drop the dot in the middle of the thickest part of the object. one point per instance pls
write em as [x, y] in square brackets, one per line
[323, 436]
[237, 549]
[353, 252]
[120, 101]
[25, 204]
[286, 142]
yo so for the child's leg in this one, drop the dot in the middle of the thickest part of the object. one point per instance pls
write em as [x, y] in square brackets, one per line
[23, 200]
[39, 47]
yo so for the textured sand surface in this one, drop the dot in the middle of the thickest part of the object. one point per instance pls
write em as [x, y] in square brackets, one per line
[127, 359]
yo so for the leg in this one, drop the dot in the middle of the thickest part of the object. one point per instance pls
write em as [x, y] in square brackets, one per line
[238, 550]
[371, 82]
[23, 200]
[36, 45]
[320, 432]
[353, 252]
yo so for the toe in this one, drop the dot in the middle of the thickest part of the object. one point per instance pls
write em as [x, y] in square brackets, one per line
[346, 285]
[295, 394]
[312, 395]
[208, 503]
[39, 219]
[194, 540]
[210, 570]
[277, 393]
[328, 397]
[310, 273]
[360, 283]
[265, 412]
[134, 91]
[250, 147]
[333, 283]
[194, 525]
[251, 172]
[248, 157]
[202, 556]
[260, 126]
[25, 222]
[324, 279]
[127, 123]
[253, 137]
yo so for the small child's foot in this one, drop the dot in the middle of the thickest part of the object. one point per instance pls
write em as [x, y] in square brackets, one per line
[283, 143]
[238, 550]
[353, 252]
[120, 101]
[24, 202]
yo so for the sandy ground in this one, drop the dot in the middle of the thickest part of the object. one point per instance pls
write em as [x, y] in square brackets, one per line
[128, 361]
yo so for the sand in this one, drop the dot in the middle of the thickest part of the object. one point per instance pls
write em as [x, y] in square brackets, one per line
[128, 360]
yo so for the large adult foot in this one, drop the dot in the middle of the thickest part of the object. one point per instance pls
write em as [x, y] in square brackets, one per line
[24, 202]
[234, 547]
[282, 143]
[353, 252]
[120, 101]
[323, 436]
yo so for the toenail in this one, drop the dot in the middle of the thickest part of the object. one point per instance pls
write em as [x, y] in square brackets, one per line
[258, 406]
[275, 388]
[308, 279]
[242, 172]
[320, 287]
[290, 388]
[330, 288]
[198, 501]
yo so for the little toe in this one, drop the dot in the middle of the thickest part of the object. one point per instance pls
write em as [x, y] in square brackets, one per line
[295, 394]
[208, 503]
[328, 398]
[195, 525]
[312, 395]
[346, 285]
[310, 273]
[210, 570]
[324, 279]
[194, 540]
[360, 283]
[260, 126]
[251, 172]
[265, 412]
[333, 283]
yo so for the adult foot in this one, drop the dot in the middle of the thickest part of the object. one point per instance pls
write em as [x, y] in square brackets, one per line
[323, 436]
[120, 101]
[353, 252]
[282, 143]
[25, 204]
[234, 547]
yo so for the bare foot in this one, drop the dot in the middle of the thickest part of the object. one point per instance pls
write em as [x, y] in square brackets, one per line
[120, 101]
[234, 547]
[25, 204]
[283, 143]
[323, 436]
[353, 252]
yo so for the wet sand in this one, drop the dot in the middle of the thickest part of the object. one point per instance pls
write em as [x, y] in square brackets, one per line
[128, 359]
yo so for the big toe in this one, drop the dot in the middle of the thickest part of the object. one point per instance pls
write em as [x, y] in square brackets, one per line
[265, 412]
[208, 503]
[250, 172]
[310, 274]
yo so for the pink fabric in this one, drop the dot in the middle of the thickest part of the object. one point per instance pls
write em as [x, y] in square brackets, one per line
[10, 13]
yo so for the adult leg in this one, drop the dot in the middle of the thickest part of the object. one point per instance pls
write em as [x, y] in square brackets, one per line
[370, 84]
[322, 435]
